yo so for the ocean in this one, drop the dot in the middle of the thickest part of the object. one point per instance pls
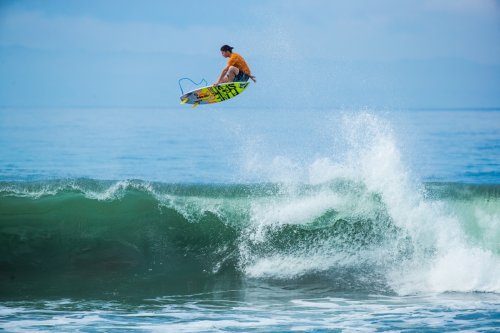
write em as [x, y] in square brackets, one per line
[249, 220]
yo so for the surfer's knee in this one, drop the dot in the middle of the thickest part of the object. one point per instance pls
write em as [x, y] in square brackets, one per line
[234, 69]
[232, 72]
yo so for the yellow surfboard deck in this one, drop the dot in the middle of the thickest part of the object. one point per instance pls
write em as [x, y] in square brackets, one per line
[214, 94]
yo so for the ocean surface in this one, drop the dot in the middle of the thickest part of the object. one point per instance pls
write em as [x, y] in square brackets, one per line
[237, 220]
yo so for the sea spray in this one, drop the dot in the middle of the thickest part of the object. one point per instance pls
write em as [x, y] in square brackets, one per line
[424, 247]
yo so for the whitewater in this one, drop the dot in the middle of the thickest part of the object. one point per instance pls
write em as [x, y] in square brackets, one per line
[358, 222]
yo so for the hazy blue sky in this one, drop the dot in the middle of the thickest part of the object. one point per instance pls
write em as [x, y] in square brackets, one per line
[429, 53]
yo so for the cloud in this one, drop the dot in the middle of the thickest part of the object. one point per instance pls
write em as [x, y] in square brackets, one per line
[36, 30]
[391, 30]
[488, 8]
[355, 30]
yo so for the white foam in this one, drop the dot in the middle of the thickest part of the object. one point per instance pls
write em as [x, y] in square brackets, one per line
[289, 266]
[293, 210]
[443, 258]
[15, 191]
[488, 221]
[115, 191]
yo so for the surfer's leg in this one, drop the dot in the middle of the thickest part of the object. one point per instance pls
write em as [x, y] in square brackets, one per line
[231, 73]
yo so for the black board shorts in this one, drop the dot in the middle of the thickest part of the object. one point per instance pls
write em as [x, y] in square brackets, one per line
[241, 77]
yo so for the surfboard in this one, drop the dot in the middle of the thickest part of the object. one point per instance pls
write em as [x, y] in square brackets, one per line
[214, 94]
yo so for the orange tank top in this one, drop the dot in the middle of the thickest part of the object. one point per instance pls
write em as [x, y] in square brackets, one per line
[237, 61]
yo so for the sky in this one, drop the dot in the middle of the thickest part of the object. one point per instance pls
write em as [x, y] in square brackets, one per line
[315, 53]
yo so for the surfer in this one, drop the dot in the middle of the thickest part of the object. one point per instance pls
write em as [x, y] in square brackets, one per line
[236, 69]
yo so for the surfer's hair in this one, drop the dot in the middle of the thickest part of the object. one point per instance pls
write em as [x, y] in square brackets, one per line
[226, 48]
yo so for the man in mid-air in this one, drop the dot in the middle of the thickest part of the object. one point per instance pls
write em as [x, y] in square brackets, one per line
[236, 69]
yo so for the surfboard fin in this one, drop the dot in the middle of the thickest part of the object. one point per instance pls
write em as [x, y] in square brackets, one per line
[195, 105]
[184, 101]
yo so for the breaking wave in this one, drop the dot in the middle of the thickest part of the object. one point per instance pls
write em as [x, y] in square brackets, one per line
[359, 222]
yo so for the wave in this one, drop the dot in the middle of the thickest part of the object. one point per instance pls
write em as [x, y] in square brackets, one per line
[360, 222]
[66, 234]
